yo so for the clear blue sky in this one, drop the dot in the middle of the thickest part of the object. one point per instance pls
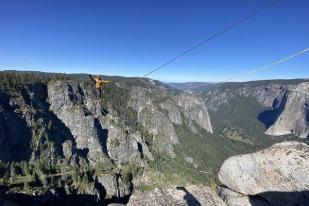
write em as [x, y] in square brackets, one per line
[130, 38]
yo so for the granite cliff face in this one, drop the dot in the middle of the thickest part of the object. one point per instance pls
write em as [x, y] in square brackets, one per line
[285, 103]
[194, 109]
[82, 128]
[275, 176]
[60, 125]
[292, 114]
[158, 110]
[26, 126]
[96, 133]
[264, 94]
[138, 132]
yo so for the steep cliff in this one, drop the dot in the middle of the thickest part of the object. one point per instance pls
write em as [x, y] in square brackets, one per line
[58, 137]
[158, 110]
[98, 134]
[292, 112]
[68, 138]
[281, 104]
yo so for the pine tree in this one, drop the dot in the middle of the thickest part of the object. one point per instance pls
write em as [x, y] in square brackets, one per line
[85, 179]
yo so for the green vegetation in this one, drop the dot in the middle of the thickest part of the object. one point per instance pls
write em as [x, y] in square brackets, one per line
[236, 134]
[118, 98]
[243, 119]
[14, 81]
[29, 177]
[237, 130]
[208, 152]
[197, 159]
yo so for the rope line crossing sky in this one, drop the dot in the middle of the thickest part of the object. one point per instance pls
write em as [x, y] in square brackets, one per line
[265, 67]
[245, 18]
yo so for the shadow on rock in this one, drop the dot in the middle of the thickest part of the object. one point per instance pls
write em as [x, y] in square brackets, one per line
[102, 134]
[283, 198]
[267, 117]
[14, 135]
[190, 199]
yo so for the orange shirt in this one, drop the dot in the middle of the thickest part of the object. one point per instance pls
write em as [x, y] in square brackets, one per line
[99, 82]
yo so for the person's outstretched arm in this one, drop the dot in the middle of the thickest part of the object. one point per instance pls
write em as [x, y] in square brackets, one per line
[106, 81]
[91, 77]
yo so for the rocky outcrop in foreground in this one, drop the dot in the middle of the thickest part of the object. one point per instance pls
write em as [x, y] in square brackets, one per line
[274, 176]
[191, 195]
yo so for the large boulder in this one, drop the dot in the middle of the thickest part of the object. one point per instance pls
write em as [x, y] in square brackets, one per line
[191, 195]
[278, 174]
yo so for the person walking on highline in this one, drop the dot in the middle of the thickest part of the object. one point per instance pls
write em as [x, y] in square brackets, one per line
[98, 84]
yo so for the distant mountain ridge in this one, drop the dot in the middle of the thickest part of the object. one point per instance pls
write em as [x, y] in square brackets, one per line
[277, 96]
[190, 85]
[204, 85]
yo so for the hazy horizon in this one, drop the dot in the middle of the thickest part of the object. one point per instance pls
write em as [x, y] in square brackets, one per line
[168, 82]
